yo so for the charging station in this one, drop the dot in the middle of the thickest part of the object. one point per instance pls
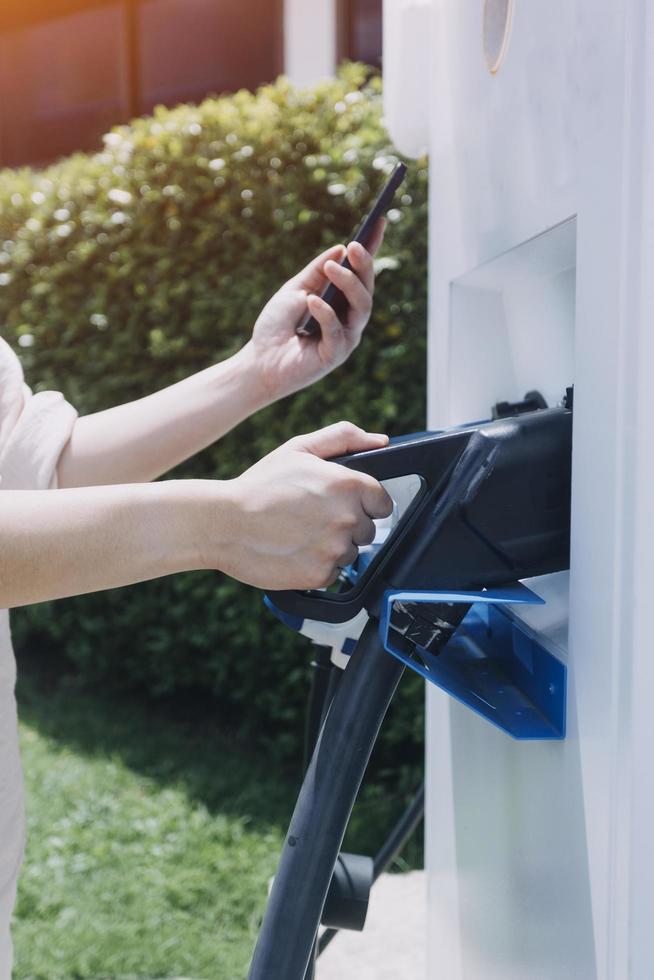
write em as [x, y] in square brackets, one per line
[514, 574]
[539, 122]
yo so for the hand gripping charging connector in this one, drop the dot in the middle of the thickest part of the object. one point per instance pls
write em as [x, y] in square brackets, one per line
[493, 507]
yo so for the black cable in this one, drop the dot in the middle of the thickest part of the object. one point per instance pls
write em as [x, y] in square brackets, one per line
[320, 698]
[334, 678]
[322, 671]
[313, 960]
[323, 809]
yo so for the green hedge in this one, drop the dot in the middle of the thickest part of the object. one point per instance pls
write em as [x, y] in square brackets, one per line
[123, 271]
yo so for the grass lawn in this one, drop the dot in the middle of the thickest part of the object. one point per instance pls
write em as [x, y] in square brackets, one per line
[151, 837]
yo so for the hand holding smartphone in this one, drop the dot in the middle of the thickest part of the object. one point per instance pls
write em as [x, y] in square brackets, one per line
[332, 295]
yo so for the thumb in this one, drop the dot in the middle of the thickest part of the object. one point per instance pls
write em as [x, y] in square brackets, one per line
[312, 277]
[339, 439]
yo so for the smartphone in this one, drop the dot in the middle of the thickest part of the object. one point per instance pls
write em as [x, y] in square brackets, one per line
[333, 296]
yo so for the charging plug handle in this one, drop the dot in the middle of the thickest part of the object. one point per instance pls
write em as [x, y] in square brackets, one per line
[494, 507]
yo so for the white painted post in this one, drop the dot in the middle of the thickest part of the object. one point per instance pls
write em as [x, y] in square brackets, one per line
[309, 40]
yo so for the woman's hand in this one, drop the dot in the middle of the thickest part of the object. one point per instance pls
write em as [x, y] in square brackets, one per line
[144, 438]
[285, 362]
[293, 519]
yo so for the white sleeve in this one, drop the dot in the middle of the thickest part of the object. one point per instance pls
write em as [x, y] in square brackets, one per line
[31, 450]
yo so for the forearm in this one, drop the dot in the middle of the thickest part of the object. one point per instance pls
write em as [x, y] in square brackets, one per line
[56, 543]
[293, 520]
[141, 440]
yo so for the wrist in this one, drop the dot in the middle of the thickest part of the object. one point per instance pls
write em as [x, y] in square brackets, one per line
[250, 378]
[200, 518]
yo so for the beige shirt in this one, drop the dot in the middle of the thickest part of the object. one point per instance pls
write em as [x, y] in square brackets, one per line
[33, 431]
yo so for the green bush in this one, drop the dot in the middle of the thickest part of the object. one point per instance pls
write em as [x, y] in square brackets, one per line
[126, 270]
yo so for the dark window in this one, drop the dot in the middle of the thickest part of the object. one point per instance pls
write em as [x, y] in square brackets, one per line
[62, 84]
[190, 48]
[360, 30]
[70, 69]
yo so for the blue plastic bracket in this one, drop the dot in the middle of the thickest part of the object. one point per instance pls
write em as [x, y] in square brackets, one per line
[493, 663]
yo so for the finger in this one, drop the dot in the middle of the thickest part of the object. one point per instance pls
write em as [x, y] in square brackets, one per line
[312, 277]
[365, 532]
[377, 236]
[331, 328]
[339, 439]
[348, 557]
[362, 263]
[375, 501]
[351, 286]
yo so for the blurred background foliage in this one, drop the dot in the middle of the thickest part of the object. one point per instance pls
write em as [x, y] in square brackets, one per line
[126, 270]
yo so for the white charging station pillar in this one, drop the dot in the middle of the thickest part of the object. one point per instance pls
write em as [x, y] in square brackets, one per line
[539, 117]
